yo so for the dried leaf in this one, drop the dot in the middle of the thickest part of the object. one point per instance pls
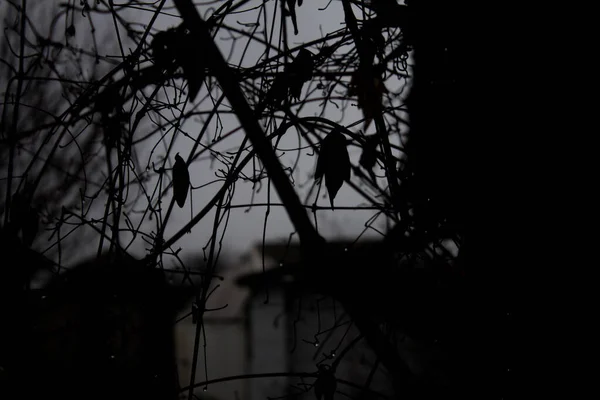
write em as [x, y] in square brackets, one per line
[325, 384]
[300, 71]
[108, 101]
[181, 180]
[71, 30]
[369, 88]
[175, 48]
[191, 62]
[277, 92]
[333, 163]
[368, 157]
[163, 50]
[112, 132]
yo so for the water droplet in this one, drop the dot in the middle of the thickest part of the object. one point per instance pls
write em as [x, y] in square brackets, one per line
[345, 249]
[147, 169]
[44, 297]
[316, 344]
[205, 389]
[333, 354]
[281, 264]
[112, 356]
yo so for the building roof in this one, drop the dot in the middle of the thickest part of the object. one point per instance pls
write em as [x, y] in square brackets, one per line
[282, 257]
[97, 279]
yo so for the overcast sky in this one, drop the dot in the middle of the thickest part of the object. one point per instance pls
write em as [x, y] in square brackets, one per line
[246, 227]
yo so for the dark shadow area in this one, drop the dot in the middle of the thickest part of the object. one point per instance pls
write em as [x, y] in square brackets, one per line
[421, 313]
[101, 330]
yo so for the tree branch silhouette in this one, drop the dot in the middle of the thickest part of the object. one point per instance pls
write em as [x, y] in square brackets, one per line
[227, 80]
[105, 154]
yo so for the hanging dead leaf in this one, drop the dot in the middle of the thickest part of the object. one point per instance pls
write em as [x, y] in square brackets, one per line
[325, 384]
[369, 88]
[109, 101]
[368, 157]
[374, 42]
[299, 72]
[112, 132]
[191, 61]
[176, 47]
[163, 49]
[333, 163]
[181, 180]
[277, 92]
[70, 30]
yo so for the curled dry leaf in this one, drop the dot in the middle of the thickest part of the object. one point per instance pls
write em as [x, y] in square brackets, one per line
[176, 47]
[291, 80]
[368, 157]
[299, 72]
[163, 50]
[112, 132]
[71, 30]
[191, 61]
[333, 163]
[109, 101]
[181, 180]
[277, 92]
[369, 88]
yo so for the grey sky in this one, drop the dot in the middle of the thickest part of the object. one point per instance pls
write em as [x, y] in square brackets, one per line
[245, 227]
